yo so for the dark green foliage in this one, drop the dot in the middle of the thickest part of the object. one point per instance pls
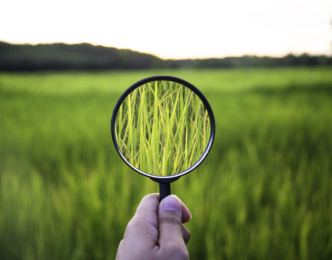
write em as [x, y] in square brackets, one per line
[61, 56]
[85, 57]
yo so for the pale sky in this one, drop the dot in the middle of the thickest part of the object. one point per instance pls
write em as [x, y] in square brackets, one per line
[175, 28]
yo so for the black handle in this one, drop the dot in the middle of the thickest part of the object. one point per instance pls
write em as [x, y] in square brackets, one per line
[164, 190]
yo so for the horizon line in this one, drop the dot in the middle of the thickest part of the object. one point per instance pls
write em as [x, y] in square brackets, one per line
[162, 58]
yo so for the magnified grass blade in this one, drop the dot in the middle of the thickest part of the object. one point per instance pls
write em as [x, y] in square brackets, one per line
[130, 129]
[155, 146]
[193, 144]
[167, 144]
[141, 127]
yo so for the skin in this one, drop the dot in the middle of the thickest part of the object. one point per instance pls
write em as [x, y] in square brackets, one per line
[156, 231]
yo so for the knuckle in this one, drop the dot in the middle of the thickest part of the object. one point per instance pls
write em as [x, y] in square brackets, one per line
[177, 252]
[170, 220]
[146, 197]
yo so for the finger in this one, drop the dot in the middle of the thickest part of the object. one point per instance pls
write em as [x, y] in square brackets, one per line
[148, 206]
[170, 222]
[186, 215]
[145, 222]
[185, 234]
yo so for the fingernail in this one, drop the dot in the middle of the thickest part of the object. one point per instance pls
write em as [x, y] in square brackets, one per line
[171, 203]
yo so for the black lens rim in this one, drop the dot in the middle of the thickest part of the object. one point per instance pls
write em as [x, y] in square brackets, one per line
[171, 178]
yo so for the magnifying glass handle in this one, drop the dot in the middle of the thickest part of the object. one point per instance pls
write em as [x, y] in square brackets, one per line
[164, 190]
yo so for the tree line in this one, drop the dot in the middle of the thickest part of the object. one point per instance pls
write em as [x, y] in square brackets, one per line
[86, 57]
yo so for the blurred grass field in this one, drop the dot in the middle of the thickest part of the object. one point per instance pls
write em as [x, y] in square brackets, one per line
[264, 191]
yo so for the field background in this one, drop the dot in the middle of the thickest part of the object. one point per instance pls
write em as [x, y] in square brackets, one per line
[264, 191]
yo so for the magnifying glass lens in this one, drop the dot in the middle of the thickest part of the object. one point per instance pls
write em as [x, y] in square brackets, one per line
[162, 128]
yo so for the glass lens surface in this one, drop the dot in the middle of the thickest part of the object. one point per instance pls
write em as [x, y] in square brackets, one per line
[162, 128]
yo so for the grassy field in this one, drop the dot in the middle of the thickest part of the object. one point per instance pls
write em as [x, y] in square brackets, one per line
[264, 191]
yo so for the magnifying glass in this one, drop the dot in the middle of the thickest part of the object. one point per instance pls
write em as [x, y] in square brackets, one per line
[163, 128]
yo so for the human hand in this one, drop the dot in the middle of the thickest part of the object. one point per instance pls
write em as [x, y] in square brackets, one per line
[156, 231]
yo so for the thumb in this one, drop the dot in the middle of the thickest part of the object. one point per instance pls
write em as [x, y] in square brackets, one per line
[170, 222]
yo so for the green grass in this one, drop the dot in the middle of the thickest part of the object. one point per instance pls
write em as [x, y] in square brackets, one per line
[162, 128]
[263, 192]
